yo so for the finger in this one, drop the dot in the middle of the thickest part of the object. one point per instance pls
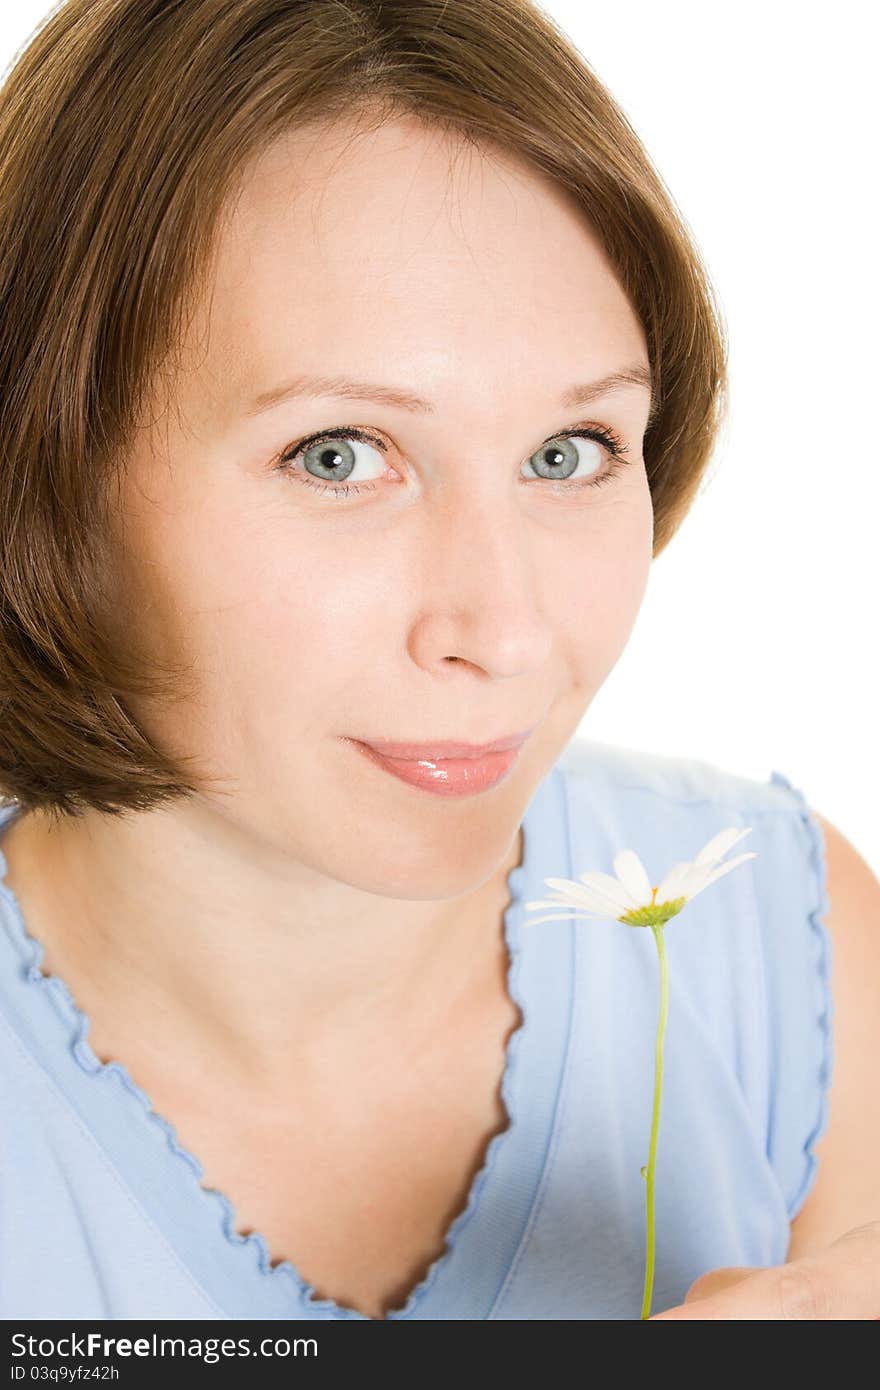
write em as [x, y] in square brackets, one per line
[718, 1279]
[754, 1296]
[840, 1283]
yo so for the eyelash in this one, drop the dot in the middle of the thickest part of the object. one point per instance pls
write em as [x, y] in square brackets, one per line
[602, 434]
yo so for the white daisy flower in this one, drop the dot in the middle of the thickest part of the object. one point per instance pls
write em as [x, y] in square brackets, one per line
[629, 897]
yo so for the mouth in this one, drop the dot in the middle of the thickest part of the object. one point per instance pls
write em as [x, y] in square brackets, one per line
[447, 768]
[440, 749]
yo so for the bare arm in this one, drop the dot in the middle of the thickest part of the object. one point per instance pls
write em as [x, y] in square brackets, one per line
[846, 1192]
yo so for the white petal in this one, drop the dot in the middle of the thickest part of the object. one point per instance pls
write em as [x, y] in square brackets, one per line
[612, 889]
[564, 917]
[571, 887]
[631, 872]
[718, 846]
[696, 879]
[723, 869]
[613, 904]
[675, 884]
[552, 902]
[583, 895]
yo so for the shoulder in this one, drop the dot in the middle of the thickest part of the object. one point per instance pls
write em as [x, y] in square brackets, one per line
[853, 887]
[846, 1192]
[815, 905]
[670, 806]
[794, 939]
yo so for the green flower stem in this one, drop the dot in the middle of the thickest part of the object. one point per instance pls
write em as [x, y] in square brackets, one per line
[648, 1174]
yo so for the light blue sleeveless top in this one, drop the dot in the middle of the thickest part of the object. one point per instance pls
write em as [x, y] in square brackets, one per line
[102, 1214]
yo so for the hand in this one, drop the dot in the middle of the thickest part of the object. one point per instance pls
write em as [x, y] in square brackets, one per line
[841, 1282]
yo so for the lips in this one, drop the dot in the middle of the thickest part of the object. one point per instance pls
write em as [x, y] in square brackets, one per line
[448, 768]
[436, 752]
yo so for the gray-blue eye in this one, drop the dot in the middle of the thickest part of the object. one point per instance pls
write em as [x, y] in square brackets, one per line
[330, 457]
[331, 460]
[559, 459]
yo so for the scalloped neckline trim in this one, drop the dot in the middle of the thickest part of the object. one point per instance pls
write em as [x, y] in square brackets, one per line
[199, 1222]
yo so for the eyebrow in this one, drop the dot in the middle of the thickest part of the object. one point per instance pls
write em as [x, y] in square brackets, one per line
[309, 386]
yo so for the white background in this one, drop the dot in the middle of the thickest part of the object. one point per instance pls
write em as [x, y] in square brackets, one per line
[756, 647]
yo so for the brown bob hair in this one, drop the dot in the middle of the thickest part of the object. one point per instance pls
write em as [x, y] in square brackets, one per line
[124, 128]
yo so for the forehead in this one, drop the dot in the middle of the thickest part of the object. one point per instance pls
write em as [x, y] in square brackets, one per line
[371, 248]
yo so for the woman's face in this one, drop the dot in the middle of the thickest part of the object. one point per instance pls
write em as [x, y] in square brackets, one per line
[448, 585]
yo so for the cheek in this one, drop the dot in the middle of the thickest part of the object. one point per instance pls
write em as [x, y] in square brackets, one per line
[600, 581]
[271, 609]
[287, 627]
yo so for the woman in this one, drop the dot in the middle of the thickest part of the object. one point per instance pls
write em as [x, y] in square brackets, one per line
[357, 381]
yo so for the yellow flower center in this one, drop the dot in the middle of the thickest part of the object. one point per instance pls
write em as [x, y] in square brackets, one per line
[653, 914]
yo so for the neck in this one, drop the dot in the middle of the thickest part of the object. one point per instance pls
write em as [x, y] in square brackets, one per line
[146, 920]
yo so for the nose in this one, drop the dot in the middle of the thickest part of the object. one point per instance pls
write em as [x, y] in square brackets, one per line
[482, 587]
